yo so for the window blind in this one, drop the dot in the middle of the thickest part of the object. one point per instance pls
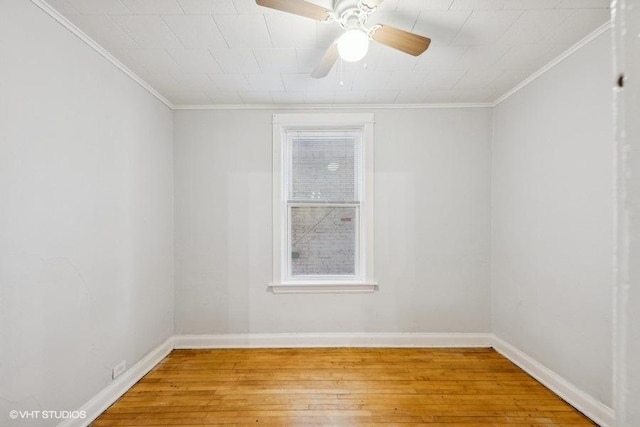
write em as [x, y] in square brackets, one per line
[324, 166]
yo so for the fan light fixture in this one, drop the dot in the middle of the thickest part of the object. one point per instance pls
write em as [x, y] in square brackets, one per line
[353, 45]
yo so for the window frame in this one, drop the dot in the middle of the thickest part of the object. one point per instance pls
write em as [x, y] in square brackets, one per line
[364, 280]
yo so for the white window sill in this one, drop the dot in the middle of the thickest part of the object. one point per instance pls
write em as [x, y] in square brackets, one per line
[322, 288]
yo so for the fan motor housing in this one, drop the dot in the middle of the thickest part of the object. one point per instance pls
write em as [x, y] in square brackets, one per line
[350, 14]
[341, 6]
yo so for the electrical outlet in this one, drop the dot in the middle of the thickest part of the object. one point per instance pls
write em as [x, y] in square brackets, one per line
[119, 369]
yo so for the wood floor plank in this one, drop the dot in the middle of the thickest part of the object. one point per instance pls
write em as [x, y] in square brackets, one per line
[339, 387]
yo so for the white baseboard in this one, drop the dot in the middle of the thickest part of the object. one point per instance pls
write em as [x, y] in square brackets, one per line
[585, 403]
[334, 340]
[108, 395]
[592, 408]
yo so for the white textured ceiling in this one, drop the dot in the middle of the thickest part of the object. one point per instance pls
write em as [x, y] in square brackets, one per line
[220, 52]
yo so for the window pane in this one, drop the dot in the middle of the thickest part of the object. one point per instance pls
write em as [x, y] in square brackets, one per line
[324, 166]
[323, 240]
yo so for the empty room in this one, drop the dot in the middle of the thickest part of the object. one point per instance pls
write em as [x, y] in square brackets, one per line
[319, 212]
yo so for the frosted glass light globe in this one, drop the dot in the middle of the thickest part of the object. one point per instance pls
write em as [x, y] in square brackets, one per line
[353, 45]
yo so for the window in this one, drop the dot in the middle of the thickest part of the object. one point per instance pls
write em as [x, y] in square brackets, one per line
[323, 203]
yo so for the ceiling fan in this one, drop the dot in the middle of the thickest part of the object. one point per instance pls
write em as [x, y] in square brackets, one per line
[352, 16]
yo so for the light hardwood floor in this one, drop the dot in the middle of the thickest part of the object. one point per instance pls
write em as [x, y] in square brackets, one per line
[339, 387]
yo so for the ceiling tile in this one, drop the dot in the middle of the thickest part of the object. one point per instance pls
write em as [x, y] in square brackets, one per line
[196, 31]
[224, 97]
[229, 82]
[443, 78]
[404, 20]
[483, 94]
[64, 7]
[153, 7]
[281, 26]
[283, 97]
[478, 4]
[195, 60]
[189, 98]
[104, 31]
[531, 4]
[308, 59]
[535, 61]
[579, 25]
[98, 7]
[255, 97]
[207, 7]
[478, 77]
[327, 33]
[441, 27]
[388, 59]
[148, 60]
[244, 31]
[348, 97]
[380, 96]
[438, 97]
[482, 56]
[534, 26]
[411, 97]
[302, 82]
[584, 4]
[523, 55]
[162, 82]
[319, 97]
[486, 27]
[455, 96]
[366, 80]
[271, 82]
[353, 67]
[439, 56]
[424, 5]
[236, 60]
[276, 60]
[244, 7]
[407, 79]
[147, 31]
[388, 5]
[123, 56]
[192, 82]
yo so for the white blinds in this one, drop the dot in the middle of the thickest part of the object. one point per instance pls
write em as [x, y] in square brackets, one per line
[324, 165]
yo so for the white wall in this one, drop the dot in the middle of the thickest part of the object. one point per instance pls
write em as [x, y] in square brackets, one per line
[628, 290]
[432, 219]
[86, 219]
[552, 222]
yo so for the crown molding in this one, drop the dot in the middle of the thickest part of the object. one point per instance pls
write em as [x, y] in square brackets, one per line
[333, 106]
[42, 4]
[567, 53]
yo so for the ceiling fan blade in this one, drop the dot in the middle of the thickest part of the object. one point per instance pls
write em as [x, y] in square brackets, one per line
[407, 42]
[326, 63]
[297, 7]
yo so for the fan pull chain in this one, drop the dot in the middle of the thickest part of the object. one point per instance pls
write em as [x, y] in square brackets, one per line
[341, 73]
